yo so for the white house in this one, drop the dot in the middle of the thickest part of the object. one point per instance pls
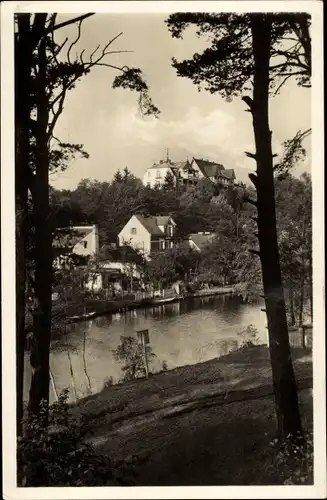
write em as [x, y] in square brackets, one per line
[155, 176]
[188, 173]
[148, 234]
[75, 240]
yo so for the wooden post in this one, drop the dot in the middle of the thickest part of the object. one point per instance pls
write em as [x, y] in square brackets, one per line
[143, 337]
[303, 336]
[145, 358]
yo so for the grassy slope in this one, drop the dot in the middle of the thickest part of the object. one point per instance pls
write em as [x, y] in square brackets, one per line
[210, 423]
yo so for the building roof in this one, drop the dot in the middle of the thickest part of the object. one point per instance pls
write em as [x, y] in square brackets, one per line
[162, 220]
[170, 164]
[125, 253]
[182, 164]
[209, 168]
[229, 173]
[162, 164]
[201, 239]
[67, 237]
[150, 225]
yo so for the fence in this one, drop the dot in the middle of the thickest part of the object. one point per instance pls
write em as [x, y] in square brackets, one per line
[301, 336]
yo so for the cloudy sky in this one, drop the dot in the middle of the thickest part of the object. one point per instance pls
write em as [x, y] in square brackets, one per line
[109, 125]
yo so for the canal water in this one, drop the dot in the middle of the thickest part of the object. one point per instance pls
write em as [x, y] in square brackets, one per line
[184, 333]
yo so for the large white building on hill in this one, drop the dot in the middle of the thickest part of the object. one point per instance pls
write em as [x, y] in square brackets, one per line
[187, 173]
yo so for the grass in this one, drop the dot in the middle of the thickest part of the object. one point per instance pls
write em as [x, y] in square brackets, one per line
[206, 424]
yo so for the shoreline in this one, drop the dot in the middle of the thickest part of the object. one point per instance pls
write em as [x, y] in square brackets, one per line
[124, 305]
[78, 311]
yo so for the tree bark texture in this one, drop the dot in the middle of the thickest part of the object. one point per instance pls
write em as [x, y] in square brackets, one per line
[286, 399]
[22, 117]
[40, 351]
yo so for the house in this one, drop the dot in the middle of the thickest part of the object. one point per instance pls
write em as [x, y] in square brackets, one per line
[187, 173]
[213, 171]
[75, 241]
[155, 175]
[121, 270]
[198, 241]
[148, 234]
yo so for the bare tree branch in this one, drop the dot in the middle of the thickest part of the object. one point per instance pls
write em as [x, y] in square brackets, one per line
[75, 41]
[70, 21]
[282, 83]
[95, 50]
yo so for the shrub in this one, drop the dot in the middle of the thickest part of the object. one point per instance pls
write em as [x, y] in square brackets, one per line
[249, 336]
[164, 366]
[131, 353]
[108, 382]
[294, 460]
[51, 452]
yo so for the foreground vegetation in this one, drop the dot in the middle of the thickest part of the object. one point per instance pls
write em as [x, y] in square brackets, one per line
[211, 423]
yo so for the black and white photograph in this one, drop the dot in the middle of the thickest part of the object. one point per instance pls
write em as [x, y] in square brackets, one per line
[163, 250]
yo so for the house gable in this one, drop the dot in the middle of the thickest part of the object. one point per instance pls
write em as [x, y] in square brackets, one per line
[136, 234]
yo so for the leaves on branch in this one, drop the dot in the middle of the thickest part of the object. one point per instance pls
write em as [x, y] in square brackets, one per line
[293, 153]
[61, 157]
[132, 79]
[226, 66]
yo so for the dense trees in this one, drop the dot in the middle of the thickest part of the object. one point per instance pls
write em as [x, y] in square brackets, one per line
[227, 257]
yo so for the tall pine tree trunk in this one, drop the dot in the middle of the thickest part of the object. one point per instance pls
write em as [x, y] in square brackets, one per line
[286, 399]
[40, 351]
[22, 117]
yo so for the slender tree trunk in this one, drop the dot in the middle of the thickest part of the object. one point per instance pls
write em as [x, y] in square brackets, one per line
[310, 287]
[286, 399]
[22, 117]
[292, 311]
[301, 305]
[302, 286]
[40, 353]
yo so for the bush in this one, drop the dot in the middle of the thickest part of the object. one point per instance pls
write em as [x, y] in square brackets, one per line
[249, 337]
[294, 460]
[108, 382]
[131, 353]
[51, 452]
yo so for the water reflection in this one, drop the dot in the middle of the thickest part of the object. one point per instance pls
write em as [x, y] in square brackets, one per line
[182, 333]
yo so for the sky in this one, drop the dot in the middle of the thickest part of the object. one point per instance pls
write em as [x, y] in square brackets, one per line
[112, 130]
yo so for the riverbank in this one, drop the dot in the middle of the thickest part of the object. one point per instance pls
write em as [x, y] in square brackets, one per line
[101, 307]
[87, 308]
[205, 424]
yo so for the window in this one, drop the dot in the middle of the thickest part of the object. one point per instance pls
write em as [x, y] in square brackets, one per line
[85, 244]
[170, 230]
[133, 230]
[158, 173]
[149, 173]
[162, 244]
